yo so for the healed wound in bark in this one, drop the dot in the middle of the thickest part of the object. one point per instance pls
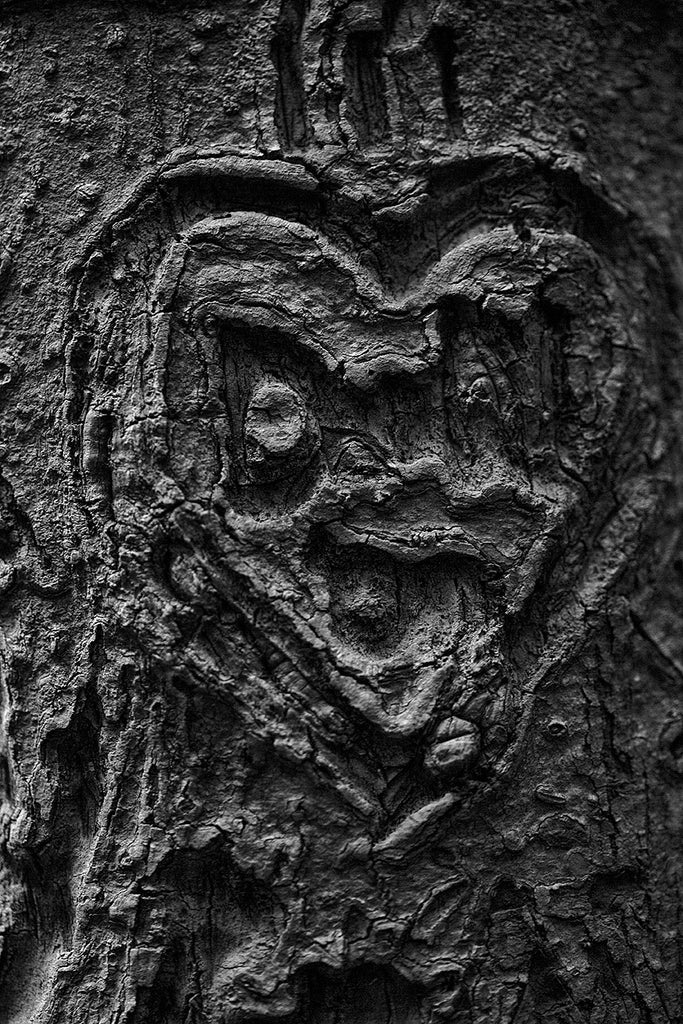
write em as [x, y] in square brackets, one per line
[354, 703]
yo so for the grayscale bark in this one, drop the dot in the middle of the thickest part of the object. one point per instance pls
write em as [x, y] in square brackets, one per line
[341, 652]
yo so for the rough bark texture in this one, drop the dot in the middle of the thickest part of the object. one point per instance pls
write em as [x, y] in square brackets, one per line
[341, 651]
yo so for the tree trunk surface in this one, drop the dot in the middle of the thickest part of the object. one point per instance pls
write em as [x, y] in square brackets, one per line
[341, 659]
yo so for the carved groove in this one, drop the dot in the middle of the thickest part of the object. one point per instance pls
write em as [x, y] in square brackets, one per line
[443, 44]
[285, 52]
[365, 87]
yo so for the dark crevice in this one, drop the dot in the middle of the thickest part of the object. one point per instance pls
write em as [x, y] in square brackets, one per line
[365, 87]
[367, 994]
[442, 41]
[97, 455]
[75, 750]
[546, 988]
[160, 1003]
[285, 52]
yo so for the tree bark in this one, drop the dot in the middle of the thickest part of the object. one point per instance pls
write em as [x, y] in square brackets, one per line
[341, 656]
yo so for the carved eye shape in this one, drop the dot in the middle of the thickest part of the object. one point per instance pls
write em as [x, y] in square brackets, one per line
[279, 437]
[482, 394]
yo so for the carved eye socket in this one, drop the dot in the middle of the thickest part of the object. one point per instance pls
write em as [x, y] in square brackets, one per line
[279, 436]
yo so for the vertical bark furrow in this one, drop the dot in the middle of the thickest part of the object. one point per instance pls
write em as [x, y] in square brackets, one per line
[442, 41]
[365, 86]
[290, 100]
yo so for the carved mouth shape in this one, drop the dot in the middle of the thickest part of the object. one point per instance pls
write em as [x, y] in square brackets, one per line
[394, 628]
[390, 609]
[366, 591]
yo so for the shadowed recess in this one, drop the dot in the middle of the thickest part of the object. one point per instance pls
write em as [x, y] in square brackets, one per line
[365, 87]
[442, 42]
[285, 52]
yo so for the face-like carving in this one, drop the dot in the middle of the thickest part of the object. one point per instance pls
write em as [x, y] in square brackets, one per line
[391, 474]
[347, 515]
